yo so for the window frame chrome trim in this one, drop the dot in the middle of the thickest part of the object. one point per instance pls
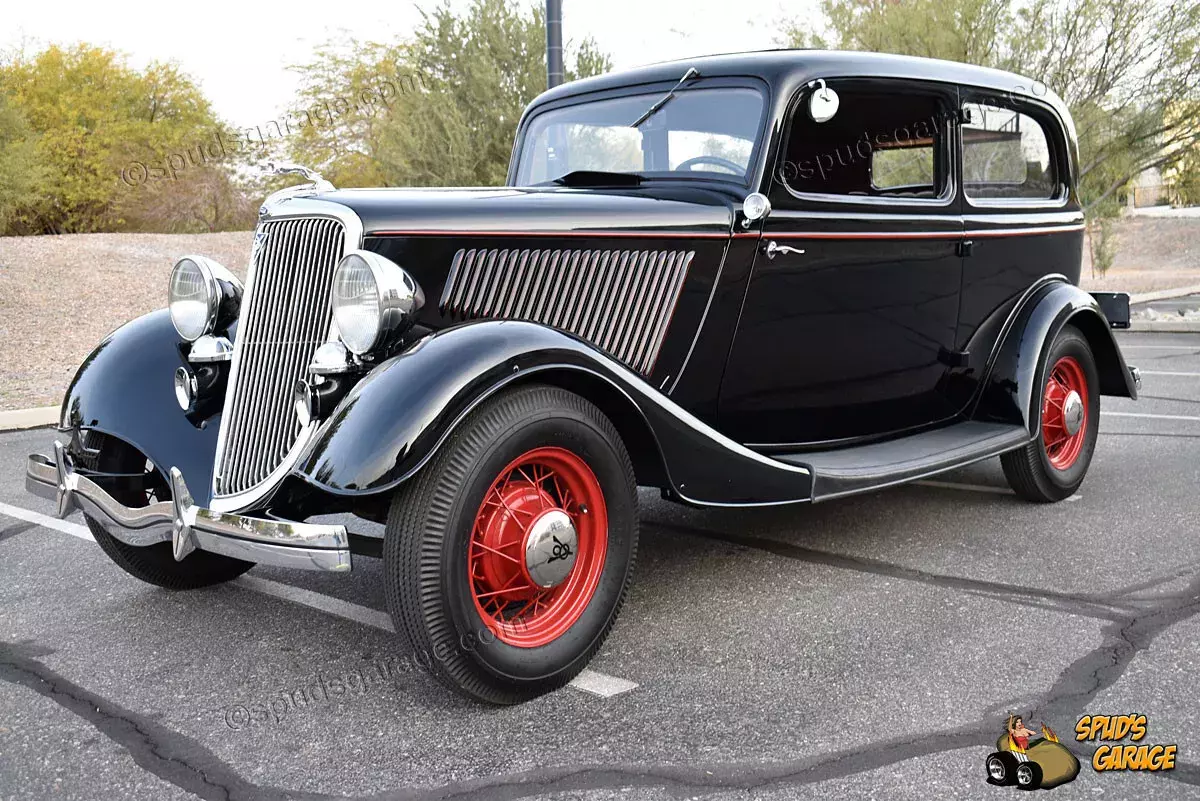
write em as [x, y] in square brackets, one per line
[285, 208]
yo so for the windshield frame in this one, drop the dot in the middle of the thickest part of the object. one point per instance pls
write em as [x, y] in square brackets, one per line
[653, 91]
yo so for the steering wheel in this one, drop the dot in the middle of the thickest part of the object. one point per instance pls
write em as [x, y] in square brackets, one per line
[716, 161]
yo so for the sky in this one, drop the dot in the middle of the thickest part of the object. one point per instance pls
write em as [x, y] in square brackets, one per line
[239, 51]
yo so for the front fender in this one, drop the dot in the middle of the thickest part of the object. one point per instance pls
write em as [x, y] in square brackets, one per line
[125, 388]
[395, 419]
[1011, 391]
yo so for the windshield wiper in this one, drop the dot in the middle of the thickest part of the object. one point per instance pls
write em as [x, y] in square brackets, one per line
[598, 178]
[650, 112]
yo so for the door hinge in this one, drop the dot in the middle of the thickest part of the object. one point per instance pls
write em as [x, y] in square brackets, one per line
[965, 248]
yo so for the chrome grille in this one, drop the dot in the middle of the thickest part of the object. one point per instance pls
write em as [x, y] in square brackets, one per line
[285, 317]
[619, 300]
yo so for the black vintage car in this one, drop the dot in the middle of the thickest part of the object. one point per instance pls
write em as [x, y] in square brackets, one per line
[770, 278]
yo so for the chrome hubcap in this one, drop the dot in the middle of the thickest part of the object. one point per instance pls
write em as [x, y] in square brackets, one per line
[996, 769]
[1073, 413]
[550, 548]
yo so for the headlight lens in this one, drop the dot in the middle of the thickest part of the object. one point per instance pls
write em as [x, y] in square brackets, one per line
[356, 307]
[372, 299]
[202, 295]
[193, 297]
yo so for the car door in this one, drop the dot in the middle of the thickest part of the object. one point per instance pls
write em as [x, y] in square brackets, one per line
[848, 325]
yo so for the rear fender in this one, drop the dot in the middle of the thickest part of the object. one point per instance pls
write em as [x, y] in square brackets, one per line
[1011, 389]
[394, 420]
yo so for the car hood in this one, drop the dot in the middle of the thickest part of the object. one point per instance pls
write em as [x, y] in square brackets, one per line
[508, 210]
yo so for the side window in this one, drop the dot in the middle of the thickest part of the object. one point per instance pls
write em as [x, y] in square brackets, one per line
[1006, 155]
[882, 143]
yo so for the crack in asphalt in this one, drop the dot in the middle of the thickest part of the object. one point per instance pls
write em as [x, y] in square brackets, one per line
[1103, 606]
[1131, 626]
[171, 756]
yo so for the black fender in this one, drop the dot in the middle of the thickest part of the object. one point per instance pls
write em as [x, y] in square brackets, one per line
[1014, 373]
[395, 419]
[125, 388]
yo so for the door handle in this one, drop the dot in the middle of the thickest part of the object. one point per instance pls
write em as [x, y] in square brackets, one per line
[774, 249]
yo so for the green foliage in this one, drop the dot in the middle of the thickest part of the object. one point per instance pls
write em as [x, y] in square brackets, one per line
[21, 171]
[1128, 69]
[1102, 242]
[94, 115]
[464, 80]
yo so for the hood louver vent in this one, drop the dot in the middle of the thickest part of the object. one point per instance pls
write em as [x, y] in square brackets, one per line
[619, 300]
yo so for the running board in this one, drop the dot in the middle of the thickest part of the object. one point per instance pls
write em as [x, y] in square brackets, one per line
[848, 471]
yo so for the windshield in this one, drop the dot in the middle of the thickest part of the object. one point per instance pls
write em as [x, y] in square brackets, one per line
[700, 132]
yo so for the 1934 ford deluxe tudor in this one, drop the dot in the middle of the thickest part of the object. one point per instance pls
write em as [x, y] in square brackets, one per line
[769, 278]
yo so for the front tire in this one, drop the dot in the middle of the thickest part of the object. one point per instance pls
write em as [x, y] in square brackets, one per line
[509, 554]
[1028, 775]
[154, 564]
[1053, 466]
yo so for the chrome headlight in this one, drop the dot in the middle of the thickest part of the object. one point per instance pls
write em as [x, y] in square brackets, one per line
[373, 299]
[202, 295]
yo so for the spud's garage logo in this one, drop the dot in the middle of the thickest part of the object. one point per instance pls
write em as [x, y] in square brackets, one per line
[1124, 757]
[1029, 761]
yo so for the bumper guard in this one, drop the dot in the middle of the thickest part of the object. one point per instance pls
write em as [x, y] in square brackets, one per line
[185, 525]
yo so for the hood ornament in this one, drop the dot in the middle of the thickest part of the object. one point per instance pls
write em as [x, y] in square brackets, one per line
[315, 185]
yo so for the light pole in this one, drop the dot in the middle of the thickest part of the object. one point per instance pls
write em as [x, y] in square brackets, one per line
[554, 55]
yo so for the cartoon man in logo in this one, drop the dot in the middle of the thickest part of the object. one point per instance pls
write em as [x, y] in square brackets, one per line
[1029, 761]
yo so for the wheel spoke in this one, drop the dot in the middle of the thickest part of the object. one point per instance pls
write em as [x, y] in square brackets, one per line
[501, 554]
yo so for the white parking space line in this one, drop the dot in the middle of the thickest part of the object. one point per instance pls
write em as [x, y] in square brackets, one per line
[1161, 347]
[74, 529]
[316, 600]
[1144, 415]
[588, 681]
[968, 487]
[1169, 372]
[601, 684]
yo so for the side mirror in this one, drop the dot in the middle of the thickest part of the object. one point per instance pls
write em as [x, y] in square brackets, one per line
[823, 103]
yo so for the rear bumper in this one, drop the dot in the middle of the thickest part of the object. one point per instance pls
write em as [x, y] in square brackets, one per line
[305, 546]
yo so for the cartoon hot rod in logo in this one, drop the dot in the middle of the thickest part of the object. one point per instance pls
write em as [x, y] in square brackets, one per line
[1029, 761]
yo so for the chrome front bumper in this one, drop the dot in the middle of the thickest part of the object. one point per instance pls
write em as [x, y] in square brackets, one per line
[185, 525]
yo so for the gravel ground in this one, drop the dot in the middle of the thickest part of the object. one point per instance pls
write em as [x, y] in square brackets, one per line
[99, 281]
[60, 295]
[1152, 253]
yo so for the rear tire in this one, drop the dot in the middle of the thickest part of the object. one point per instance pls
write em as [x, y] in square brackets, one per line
[1051, 467]
[154, 564]
[1001, 768]
[461, 577]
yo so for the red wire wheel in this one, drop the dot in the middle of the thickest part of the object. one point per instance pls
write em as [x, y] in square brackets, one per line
[533, 497]
[1065, 413]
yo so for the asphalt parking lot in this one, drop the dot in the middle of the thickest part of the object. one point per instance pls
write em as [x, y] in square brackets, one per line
[867, 648]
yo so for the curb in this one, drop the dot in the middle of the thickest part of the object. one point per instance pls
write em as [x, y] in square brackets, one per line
[29, 418]
[1164, 294]
[1164, 326]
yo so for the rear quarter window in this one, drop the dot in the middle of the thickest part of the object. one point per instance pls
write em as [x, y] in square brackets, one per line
[1006, 155]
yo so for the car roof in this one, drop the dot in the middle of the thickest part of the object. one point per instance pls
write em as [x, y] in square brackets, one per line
[792, 66]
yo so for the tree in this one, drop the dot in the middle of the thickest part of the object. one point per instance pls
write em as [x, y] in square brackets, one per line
[21, 171]
[93, 117]
[456, 92]
[1128, 69]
